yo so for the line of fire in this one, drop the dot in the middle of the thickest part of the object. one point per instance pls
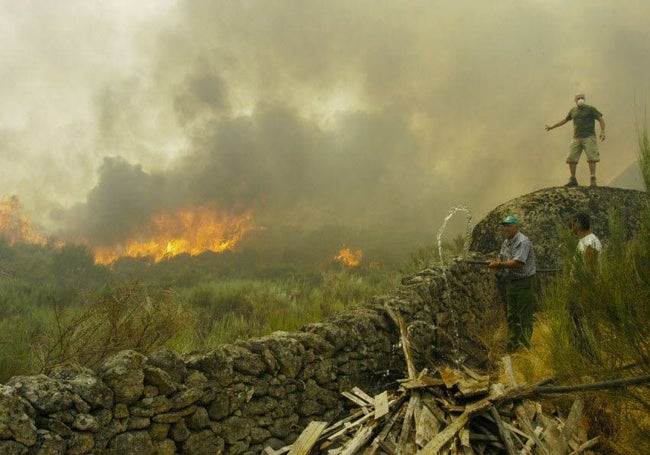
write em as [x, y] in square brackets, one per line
[188, 231]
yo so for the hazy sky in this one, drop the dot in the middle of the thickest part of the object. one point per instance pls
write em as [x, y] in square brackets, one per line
[368, 113]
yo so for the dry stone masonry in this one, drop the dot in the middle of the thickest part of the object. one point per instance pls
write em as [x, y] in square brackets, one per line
[242, 397]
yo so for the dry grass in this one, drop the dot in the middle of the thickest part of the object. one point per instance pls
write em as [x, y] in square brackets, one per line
[126, 318]
[619, 418]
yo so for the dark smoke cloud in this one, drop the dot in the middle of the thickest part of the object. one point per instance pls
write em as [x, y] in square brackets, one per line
[376, 115]
[122, 202]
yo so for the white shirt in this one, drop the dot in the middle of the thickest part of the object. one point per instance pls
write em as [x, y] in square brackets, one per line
[589, 241]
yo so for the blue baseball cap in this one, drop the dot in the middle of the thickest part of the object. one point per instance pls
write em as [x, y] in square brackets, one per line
[511, 219]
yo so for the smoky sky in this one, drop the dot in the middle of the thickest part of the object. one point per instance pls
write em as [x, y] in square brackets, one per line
[379, 115]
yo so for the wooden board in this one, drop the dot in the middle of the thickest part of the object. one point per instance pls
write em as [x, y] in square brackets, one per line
[307, 438]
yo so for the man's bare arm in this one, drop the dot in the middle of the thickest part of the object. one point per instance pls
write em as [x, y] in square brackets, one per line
[601, 121]
[560, 123]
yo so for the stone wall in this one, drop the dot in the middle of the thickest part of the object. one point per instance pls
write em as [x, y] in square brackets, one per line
[242, 397]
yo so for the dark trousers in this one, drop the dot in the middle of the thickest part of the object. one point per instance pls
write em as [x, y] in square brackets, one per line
[519, 312]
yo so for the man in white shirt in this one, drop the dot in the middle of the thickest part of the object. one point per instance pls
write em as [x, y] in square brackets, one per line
[588, 244]
[589, 249]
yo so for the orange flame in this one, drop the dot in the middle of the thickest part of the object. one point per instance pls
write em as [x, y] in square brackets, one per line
[191, 231]
[348, 257]
[14, 226]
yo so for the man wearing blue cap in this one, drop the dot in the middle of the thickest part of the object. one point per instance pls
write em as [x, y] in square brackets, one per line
[517, 258]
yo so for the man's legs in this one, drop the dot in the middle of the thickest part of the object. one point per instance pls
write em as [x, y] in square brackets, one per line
[592, 172]
[519, 308]
[575, 150]
[572, 169]
[593, 156]
[592, 168]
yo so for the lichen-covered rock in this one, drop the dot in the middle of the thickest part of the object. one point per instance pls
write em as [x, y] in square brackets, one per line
[85, 422]
[259, 435]
[108, 431]
[166, 447]
[132, 443]
[12, 448]
[80, 443]
[160, 379]
[204, 442]
[48, 444]
[281, 428]
[280, 351]
[220, 407]
[45, 394]
[138, 423]
[179, 431]
[245, 361]
[261, 406]
[159, 431]
[171, 363]
[148, 407]
[235, 429]
[199, 420]
[541, 212]
[85, 383]
[16, 417]
[186, 398]
[124, 374]
[216, 365]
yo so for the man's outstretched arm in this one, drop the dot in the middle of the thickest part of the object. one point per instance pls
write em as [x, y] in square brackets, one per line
[560, 123]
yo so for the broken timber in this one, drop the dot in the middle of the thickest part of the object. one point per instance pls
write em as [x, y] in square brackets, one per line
[435, 420]
[451, 411]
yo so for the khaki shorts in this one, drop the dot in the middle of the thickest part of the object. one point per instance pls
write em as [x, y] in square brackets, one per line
[588, 144]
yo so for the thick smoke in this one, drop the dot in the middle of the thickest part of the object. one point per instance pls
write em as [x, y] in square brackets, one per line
[374, 115]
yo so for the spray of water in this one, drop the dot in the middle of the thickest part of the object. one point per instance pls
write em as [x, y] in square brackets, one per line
[443, 226]
[455, 337]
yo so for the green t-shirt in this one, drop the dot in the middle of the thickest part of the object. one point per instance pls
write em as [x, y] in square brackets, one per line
[584, 118]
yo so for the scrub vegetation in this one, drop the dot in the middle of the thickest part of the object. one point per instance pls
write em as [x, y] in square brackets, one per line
[57, 305]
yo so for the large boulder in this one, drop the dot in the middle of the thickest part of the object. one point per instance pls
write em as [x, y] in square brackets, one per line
[543, 211]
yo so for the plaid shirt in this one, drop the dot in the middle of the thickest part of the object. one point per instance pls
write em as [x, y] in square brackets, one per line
[519, 248]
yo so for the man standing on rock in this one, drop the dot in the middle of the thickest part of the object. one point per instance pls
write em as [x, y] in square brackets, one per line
[584, 118]
[517, 257]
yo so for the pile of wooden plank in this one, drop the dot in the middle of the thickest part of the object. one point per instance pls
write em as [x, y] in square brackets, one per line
[454, 411]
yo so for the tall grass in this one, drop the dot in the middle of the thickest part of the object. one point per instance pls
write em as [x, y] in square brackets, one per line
[234, 309]
[45, 325]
